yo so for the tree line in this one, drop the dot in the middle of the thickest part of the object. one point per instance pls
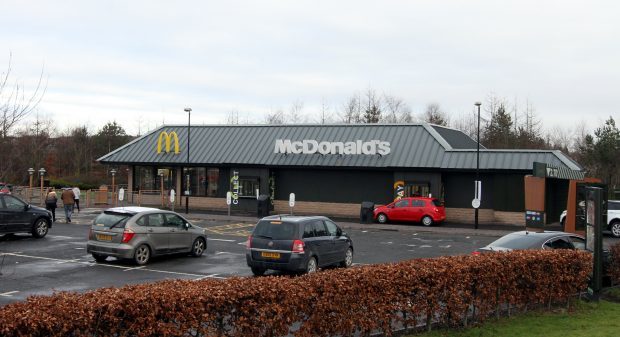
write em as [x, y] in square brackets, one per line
[71, 155]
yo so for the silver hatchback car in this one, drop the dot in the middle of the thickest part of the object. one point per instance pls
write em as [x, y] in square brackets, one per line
[138, 233]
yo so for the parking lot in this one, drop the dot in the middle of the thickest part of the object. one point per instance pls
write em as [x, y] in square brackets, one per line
[59, 261]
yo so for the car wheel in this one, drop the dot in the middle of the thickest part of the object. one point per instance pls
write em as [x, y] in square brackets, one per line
[382, 218]
[427, 221]
[312, 266]
[348, 259]
[99, 257]
[258, 271]
[615, 229]
[142, 255]
[40, 228]
[198, 247]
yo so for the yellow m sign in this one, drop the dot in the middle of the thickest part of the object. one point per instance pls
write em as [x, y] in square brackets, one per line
[169, 137]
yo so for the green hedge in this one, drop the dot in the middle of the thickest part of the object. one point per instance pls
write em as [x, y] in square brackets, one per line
[333, 302]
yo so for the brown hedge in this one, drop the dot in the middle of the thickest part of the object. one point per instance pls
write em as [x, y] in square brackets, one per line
[614, 263]
[333, 302]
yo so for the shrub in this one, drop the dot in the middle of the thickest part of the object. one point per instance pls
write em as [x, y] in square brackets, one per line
[614, 263]
[443, 290]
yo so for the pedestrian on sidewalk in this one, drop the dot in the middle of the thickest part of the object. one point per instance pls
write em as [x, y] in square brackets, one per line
[68, 199]
[76, 192]
[50, 202]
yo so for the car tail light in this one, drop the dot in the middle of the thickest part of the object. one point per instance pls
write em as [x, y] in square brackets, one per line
[476, 253]
[248, 244]
[436, 210]
[298, 246]
[127, 235]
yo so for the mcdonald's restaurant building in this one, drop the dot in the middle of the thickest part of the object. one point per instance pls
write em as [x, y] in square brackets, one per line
[333, 168]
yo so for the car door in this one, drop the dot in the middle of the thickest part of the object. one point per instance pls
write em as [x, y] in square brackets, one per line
[417, 210]
[4, 227]
[323, 243]
[311, 241]
[400, 210]
[561, 242]
[339, 242]
[16, 216]
[158, 232]
[179, 238]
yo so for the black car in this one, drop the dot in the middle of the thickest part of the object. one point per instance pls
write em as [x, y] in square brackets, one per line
[297, 244]
[17, 216]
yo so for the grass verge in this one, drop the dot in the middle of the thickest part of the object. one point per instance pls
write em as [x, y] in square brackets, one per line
[583, 319]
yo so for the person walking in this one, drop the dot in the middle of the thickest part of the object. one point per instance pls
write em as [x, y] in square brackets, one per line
[76, 192]
[68, 199]
[50, 202]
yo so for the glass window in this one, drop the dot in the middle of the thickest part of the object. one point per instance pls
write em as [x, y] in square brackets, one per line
[436, 202]
[110, 219]
[14, 204]
[156, 220]
[141, 221]
[144, 178]
[248, 186]
[213, 177]
[559, 243]
[332, 229]
[613, 205]
[578, 242]
[402, 203]
[276, 230]
[415, 189]
[173, 220]
[418, 203]
[308, 230]
[319, 229]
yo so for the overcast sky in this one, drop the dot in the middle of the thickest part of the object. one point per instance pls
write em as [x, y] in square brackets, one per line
[142, 62]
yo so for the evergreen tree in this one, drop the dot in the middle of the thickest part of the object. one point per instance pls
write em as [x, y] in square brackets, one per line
[499, 133]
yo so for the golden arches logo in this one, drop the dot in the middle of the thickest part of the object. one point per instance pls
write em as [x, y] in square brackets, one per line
[169, 137]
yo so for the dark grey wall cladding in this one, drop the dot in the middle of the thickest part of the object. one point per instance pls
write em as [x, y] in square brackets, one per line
[411, 146]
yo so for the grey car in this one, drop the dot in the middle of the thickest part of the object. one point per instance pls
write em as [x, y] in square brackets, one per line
[139, 233]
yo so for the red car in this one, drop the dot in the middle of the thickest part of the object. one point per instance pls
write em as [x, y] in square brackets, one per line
[419, 209]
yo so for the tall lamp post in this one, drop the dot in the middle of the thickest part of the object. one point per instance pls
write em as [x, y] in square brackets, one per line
[478, 187]
[113, 173]
[30, 173]
[42, 173]
[189, 114]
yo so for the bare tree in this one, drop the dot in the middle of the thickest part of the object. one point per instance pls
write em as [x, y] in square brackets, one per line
[15, 103]
[397, 111]
[352, 110]
[324, 114]
[233, 117]
[275, 117]
[435, 115]
[467, 122]
[295, 112]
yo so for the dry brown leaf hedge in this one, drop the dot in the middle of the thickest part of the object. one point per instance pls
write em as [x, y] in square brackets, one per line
[341, 302]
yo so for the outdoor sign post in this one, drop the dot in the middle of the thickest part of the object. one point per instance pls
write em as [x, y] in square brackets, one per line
[172, 195]
[228, 200]
[291, 201]
[121, 195]
[594, 238]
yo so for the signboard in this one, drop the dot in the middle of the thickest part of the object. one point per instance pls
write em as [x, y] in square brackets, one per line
[542, 170]
[291, 200]
[234, 186]
[121, 194]
[475, 203]
[228, 198]
[168, 138]
[311, 146]
[172, 195]
[534, 219]
[399, 190]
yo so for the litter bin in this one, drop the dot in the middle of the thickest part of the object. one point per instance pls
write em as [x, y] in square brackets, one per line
[263, 205]
[366, 212]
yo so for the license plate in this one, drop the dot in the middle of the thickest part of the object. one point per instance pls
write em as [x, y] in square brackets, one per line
[270, 255]
[104, 237]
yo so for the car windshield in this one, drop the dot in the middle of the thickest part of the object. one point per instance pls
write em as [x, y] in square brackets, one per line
[110, 219]
[275, 230]
[514, 241]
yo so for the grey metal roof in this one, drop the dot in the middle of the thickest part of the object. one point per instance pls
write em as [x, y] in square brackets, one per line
[411, 145]
[456, 138]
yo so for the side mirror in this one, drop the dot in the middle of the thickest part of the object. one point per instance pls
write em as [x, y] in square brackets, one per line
[187, 226]
[339, 232]
[27, 207]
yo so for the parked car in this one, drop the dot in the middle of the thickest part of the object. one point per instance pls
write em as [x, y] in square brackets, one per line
[139, 233]
[18, 216]
[428, 211]
[535, 240]
[297, 244]
[5, 188]
[613, 217]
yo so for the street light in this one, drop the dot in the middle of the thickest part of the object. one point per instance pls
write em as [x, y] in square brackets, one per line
[31, 173]
[41, 173]
[478, 185]
[113, 173]
[189, 114]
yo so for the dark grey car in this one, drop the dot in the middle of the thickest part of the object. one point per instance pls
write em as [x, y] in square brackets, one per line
[297, 244]
[536, 240]
[138, 233]
[18, 216]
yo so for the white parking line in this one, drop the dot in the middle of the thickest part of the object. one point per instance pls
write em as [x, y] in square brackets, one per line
[219, 253]
[62, 237]
[446, 246]
[225, 240]
[134, 268]
[209, 276]
[9, 294]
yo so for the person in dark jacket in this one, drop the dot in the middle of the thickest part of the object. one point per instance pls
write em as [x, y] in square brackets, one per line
[50, 202]
[68, 199]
